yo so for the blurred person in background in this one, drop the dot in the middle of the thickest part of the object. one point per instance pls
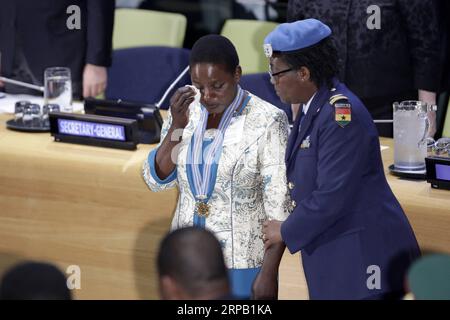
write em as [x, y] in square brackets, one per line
[191, 266]
[388, 50]
[77, 34]
[34, 281]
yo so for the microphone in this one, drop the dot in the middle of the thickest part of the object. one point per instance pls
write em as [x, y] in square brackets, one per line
[22, 84]
[384, 121]
[158, 104]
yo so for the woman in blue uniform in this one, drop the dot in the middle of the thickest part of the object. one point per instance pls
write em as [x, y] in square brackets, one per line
[355, 239]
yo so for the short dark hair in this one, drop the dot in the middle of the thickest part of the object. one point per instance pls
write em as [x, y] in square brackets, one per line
[215, 49]
[34, 281]
[193, 257]
[321, 60]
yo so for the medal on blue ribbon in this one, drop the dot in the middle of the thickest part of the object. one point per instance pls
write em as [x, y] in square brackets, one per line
[202, 183]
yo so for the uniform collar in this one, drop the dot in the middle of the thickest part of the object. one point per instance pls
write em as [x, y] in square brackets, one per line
[316, 102]
[306, 106]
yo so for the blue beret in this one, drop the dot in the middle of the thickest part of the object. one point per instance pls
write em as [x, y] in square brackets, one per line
[295, 36]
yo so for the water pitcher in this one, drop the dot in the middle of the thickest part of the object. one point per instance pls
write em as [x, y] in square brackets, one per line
[411, 125]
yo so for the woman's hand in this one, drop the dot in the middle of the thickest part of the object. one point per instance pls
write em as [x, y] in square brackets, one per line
[265, 285]
[271, 233]
[179, 106]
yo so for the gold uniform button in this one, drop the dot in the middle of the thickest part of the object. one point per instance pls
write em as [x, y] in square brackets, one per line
[294, 204]
[291, 185]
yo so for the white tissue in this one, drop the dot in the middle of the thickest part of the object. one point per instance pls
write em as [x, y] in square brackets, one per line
[197, 94]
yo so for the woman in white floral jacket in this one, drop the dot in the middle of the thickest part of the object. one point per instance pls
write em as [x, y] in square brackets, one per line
[225, 151]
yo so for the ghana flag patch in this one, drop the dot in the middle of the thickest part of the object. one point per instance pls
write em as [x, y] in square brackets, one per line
[342, 109]
[343, 113]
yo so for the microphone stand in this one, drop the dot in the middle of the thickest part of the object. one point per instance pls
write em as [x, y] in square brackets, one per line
[384, 121]
[158, 104]
[22, 84]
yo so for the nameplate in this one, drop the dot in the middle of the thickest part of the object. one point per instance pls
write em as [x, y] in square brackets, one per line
[438, 172]
[102, 131]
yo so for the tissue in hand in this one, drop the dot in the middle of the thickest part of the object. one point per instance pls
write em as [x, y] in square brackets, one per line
[197, 94]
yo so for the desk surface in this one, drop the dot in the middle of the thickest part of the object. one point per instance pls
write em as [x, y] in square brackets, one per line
[88, 206]
[81, 205]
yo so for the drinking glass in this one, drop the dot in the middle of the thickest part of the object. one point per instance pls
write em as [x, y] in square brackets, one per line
[58, 88]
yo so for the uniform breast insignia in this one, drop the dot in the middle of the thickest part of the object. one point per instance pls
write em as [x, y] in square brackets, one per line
[342, 109]
[268, 51]
[306, 143]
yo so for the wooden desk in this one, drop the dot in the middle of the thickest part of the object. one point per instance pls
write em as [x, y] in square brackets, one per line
[81, 205]
[88, 206]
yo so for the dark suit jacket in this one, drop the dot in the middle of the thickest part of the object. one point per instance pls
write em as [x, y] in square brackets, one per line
[346, 218]
[399, 58]
[46, 41]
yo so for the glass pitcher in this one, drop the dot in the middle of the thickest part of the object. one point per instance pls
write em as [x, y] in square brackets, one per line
[411, 126]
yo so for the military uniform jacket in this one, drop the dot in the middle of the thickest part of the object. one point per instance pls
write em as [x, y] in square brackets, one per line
[250, 186]
[345, 217]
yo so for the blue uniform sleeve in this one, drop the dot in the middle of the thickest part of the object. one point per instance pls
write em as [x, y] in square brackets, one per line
[341, 156]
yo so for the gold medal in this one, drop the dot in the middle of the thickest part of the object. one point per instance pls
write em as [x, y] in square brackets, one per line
[202, 209]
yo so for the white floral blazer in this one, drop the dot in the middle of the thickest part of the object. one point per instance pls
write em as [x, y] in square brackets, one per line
[250, 186]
